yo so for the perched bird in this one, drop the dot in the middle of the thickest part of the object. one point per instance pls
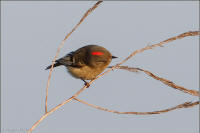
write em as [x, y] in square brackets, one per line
[86, 62]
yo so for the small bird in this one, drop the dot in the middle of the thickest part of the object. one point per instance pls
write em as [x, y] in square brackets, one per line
[86, 62]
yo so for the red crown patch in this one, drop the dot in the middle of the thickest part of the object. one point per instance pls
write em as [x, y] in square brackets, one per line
[97, 53]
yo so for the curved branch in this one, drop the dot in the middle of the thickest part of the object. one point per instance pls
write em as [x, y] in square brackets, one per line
[164, 81]
[61, 45]
[160, 44]
[184, 105]
[55, 108]
[51, 69]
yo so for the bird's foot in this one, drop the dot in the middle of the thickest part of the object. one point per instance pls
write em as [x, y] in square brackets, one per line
[86, 83]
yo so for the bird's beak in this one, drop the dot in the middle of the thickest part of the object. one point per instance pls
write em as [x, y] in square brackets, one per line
[114, 57]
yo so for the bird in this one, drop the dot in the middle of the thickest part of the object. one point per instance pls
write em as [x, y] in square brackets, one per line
[86, 62]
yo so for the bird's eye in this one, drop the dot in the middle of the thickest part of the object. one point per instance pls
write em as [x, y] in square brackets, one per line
[97, 53]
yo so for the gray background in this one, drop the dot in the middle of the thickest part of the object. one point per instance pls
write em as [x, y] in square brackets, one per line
[31, 33]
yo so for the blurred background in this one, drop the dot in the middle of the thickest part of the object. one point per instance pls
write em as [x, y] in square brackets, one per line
[31, 32]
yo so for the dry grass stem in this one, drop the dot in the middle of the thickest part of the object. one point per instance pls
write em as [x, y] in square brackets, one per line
[61, 45]
[184, 105]
[165, 81]
[55, 108]
[171, 84]
[189, 33]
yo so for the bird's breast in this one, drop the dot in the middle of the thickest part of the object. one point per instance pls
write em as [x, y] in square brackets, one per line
[85, 72]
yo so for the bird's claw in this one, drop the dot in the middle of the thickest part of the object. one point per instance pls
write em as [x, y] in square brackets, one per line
[87, 84]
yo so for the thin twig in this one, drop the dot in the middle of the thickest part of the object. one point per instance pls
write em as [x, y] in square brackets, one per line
[53, 62]
[61, 45]
[165, 81]
[189, 33]
[171, 84]
[55, 108]
[184, 105]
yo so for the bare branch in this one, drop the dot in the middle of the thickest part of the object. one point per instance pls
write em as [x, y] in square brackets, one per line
[184, 105]
[61, 45]
[189, 33]
[55, 108]
[171, 84]
[165, 81]
[53, 62]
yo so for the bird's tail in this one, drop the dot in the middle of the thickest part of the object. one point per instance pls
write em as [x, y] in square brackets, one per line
[55, 65]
